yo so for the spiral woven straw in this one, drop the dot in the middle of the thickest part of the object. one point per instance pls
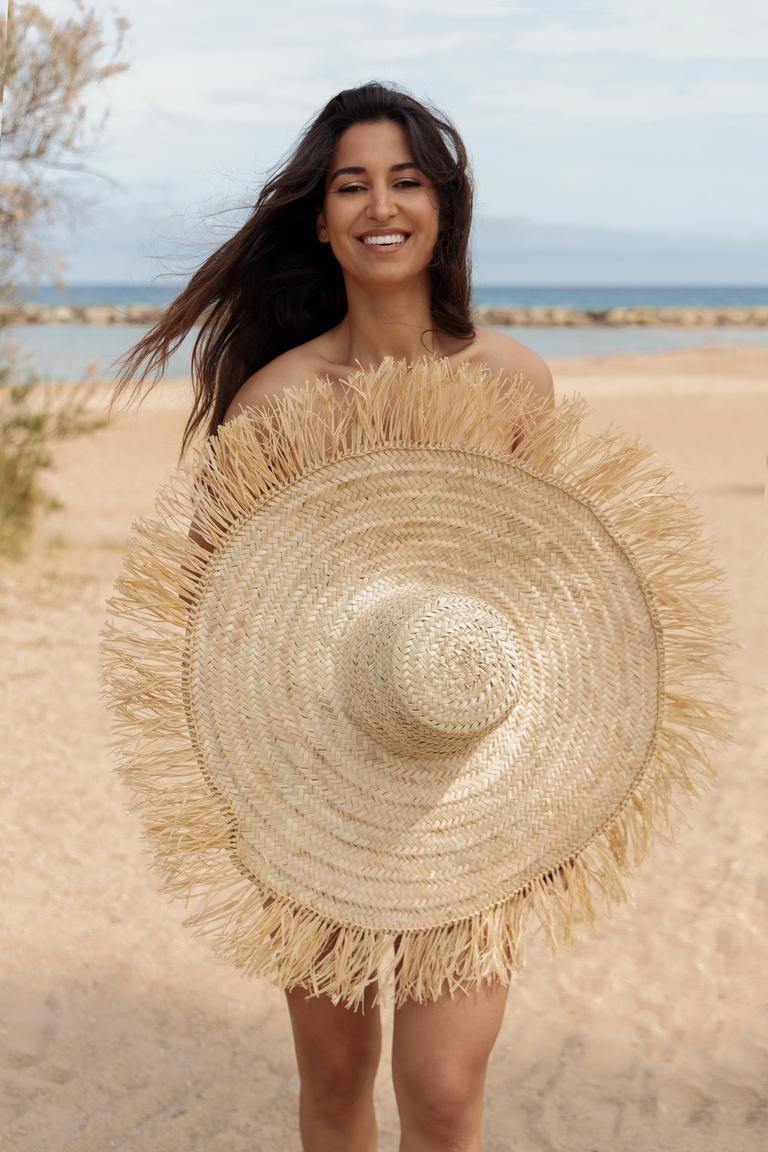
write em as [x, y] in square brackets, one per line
[436, 680]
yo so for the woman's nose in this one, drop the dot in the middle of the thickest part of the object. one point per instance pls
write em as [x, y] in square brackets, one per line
[381, 205]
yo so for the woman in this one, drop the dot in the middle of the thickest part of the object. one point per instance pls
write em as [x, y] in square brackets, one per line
[357, 249]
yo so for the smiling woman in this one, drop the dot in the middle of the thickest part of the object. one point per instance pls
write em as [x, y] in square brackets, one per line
[355, 252]
[299, 270]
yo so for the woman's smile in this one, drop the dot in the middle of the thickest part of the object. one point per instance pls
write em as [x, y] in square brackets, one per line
[384, 242]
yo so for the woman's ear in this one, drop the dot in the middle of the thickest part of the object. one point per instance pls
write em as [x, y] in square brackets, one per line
[322, 228]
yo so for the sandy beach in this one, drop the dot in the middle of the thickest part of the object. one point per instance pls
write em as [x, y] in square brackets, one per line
[119, 1030]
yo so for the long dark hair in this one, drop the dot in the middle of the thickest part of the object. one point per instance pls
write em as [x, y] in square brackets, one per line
[273, 285]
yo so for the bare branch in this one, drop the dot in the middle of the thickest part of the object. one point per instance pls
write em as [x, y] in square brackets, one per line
[52, 71]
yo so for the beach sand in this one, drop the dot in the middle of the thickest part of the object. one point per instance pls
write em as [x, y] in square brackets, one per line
[119, 1030]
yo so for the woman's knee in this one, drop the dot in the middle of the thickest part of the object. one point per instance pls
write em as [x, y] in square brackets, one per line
[338, 1082]
[441, 1100]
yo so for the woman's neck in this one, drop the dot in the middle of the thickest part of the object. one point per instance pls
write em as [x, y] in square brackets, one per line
[398, 323]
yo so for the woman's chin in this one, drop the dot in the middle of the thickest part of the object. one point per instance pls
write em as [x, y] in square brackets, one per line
[389, 273]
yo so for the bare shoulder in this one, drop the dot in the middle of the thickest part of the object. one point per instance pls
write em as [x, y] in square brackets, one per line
[503, 353]
[293, 367]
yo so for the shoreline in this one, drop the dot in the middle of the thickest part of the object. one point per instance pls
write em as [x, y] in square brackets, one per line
[715, 370]
[554, 317]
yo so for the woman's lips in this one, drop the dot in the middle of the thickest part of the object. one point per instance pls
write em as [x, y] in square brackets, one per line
[379, 247]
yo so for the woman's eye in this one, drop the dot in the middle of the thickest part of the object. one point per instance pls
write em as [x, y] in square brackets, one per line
[399, 184]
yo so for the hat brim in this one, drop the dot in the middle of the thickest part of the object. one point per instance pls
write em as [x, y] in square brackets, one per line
[257, 915]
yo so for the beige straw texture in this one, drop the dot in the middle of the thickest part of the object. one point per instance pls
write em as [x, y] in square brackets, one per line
[443, 675]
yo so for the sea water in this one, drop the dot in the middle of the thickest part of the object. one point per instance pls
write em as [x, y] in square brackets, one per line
[68, 351]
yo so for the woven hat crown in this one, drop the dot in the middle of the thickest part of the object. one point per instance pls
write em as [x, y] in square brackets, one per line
[429, 675]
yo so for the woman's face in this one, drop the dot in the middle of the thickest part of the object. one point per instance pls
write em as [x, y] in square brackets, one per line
[385, 197]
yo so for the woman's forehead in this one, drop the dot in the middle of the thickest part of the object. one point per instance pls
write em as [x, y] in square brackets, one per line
[369, 139]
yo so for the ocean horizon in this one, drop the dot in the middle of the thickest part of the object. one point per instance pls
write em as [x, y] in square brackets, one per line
[592, 296]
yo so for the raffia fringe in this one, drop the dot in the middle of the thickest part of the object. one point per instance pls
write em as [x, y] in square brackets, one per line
[188, 830]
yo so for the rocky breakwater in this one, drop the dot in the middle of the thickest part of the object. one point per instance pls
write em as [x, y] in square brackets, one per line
[78, 313]
[623, 317]
[554, 317]
[28, 313]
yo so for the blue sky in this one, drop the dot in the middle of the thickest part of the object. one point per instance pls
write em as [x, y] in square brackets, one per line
[610, 142]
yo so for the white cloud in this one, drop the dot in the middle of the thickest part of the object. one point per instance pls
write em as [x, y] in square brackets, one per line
[612, 99]
[672, 32]
[583, 110]
[654, 29]
[175, 84]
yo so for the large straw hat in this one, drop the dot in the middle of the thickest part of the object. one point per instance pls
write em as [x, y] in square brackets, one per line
[441, 674]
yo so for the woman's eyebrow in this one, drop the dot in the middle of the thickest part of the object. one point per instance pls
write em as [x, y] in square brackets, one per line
[356, 170]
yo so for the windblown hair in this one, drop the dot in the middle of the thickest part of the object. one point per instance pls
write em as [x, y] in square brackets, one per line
[273, 285]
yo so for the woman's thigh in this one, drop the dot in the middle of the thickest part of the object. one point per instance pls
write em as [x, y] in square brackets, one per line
[333, 1042]
[455, 1034]
[440, 1053]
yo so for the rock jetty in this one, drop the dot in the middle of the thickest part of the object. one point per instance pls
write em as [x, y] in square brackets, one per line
[623, 317]
[28, 313]
[753, 317]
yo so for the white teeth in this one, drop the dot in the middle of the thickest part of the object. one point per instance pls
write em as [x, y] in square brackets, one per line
[394, 238]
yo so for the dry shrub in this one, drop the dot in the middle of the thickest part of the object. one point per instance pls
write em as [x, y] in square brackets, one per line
[33, 416]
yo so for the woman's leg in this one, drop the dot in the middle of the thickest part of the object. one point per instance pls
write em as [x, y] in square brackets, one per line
[440, 1054]
[337, 1051]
